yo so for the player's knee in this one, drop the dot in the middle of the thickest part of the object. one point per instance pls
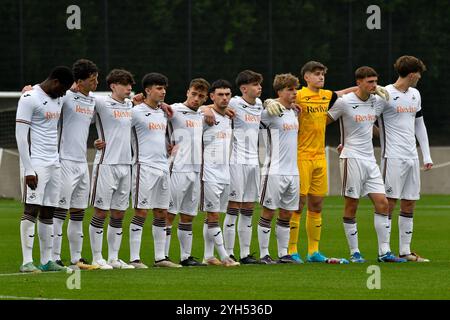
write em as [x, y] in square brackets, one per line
[382, 206]
[46, 212]
[30, 212]
[184, 218]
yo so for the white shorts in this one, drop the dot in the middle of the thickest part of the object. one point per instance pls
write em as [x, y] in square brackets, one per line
[150, 188]
[74, 185]
[111, 186]
[48, 187]
[401, 178]
[214, 197]
[184, 193]
[244, 183]
[360, 177]
[280, 192]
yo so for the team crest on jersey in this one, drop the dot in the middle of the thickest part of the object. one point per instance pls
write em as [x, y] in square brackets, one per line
[233, 193]
[32, 196]
[170, 204]
[268, 201]
[389, 190]
[99, 201]
[62, 200]
[144, 202]
[350, 190]
[209, 205]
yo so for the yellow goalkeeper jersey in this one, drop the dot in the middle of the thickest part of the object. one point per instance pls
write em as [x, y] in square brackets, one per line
[313, 118]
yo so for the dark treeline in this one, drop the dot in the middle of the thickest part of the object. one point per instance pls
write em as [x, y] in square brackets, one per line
[217, 39]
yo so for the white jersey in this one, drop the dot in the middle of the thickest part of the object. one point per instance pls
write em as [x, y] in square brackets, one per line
[216, 152]
[244, 147]
[149, 128]
[76, 117]
[113, 121]
[356, 119]
[41, 113]
[186, 130]
[280, 134]
[397, 124]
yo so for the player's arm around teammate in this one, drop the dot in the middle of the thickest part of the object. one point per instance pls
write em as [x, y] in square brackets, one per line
[37, 119]
[186, 130]
[216, 174]
[280, 177]
[111, 183]
[360, 173]
[401, 123]
[244, 165]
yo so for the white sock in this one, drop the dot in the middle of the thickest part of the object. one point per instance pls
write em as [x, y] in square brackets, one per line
[58, 221]
[184, 233]
[351, 232]
[75, 235]
[263, 236]
[168, 231]
[45, 232]
[405, 230]
[136, 229]
[282, 233]
[27, 225]
[159, 238]
[215, 234]
[114, 237]
[245, 231]
[382, 228]
[229, 230]
[208, 243]
[96, 237]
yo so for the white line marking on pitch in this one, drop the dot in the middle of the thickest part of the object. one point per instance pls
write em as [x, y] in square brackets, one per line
[17, 274]
[28, 298]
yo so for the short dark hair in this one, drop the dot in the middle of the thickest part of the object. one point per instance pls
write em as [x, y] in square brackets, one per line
[83, 69]
[365, 72]
[220, 84]
[408, 64]
[120, 76]
[310, 66]
[154, 79]
[248, 77]
[63, 74]
[200, 84]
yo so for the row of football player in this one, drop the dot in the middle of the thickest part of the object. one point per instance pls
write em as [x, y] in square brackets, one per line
[115, 116]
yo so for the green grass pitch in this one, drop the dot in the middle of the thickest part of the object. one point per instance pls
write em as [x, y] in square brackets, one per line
[307, 281]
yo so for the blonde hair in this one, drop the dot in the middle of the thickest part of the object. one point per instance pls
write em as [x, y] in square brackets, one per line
[285, 80]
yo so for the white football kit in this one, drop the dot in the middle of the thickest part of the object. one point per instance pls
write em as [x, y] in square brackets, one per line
[399, 159]
[111, 179]
[150, 182]
[280, 182]
[360, 173]
[244, 161]
[37, 140]
[216, 169]
[186, 131]
[77, 114]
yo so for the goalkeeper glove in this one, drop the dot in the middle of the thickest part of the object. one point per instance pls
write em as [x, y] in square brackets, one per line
[382, 92]
[274, 108]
